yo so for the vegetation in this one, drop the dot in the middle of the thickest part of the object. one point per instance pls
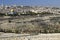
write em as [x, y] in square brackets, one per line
[33, 26]
[2, 14]
[27, 13]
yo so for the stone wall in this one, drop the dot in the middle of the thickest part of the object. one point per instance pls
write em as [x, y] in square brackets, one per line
[33, 37]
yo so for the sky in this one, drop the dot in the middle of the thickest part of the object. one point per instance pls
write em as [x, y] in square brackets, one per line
[31, 2]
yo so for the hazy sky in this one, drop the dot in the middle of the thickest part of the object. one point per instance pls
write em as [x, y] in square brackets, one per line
[32, 2]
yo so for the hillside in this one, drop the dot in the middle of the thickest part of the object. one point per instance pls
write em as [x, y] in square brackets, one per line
[32, 24]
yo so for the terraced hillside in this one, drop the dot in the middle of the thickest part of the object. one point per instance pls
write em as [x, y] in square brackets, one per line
[32, 24]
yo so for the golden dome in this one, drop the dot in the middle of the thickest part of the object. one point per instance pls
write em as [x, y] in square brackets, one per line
[12, 10]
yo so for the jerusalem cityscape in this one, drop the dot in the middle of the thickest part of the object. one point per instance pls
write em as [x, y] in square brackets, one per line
[29, 22]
